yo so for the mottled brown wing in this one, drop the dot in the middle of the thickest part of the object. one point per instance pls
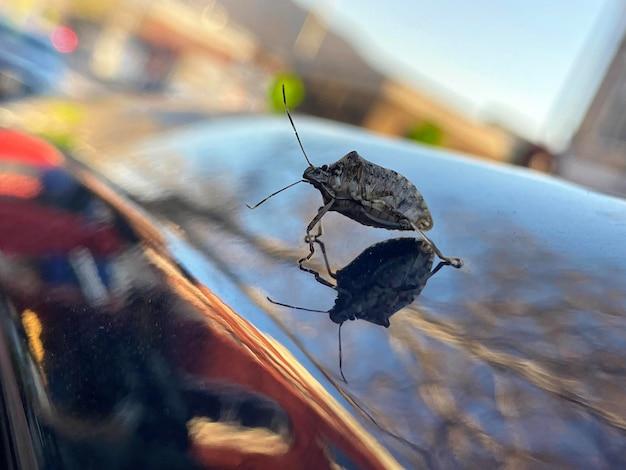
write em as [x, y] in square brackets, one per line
[374, 184]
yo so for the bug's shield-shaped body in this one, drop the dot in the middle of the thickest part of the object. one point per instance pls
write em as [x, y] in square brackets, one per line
[373, 195]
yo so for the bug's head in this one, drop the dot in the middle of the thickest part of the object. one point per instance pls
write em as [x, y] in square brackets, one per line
[317, 175]
[341, 311]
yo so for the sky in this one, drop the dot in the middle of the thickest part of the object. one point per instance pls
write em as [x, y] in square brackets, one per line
[529, 65]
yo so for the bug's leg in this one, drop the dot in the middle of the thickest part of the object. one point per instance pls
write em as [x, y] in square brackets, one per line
[455, 262]
[323, 248]
[320, 213]
[316, 274]
[315, 238]
[317, 277]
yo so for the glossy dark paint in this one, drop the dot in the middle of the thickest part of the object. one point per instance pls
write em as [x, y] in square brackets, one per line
[508, 356]
[113, 356]
[517, 358]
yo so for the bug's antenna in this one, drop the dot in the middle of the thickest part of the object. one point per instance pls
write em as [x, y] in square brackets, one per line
[341, 356]
[294, 127]
[273, 194]
[297, 308]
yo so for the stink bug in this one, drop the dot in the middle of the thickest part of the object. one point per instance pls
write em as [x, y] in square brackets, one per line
[380, 281]
[367, 193]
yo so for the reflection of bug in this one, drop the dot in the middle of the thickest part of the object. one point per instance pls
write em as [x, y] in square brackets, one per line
[380, 281]
[367, 193]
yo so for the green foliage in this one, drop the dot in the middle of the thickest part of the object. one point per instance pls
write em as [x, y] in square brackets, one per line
[294, 91]
[426, 132]
[63, 141]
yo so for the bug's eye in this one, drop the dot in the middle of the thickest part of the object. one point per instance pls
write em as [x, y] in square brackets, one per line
[324, 167]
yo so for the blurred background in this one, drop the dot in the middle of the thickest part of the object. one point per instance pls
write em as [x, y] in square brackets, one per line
[534, 83]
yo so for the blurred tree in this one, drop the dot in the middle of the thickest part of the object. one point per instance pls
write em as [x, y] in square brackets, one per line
[60, 124]
[426, 132]
[294, 91]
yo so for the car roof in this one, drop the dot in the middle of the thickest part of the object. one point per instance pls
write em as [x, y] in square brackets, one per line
[535, 305]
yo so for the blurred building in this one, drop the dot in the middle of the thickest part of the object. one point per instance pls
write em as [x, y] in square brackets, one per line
[400, 110]
[597, 153]
[222, 56]
[185, 49]
[341, 85]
